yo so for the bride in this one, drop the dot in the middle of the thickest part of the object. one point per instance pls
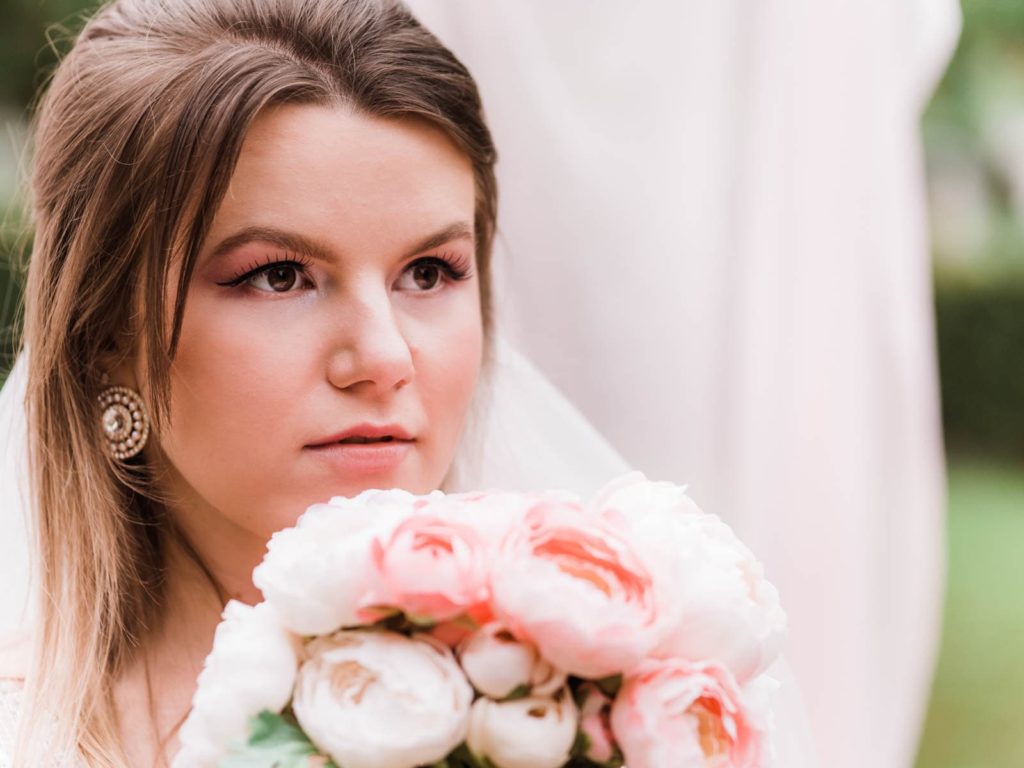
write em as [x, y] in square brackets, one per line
[263, 233]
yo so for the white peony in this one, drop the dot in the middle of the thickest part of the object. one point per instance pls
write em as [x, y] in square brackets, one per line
[251, 667]
[633, 491]
[760, 695]
[496, 664]
[382, 700]
[317, 573]
[534, 732]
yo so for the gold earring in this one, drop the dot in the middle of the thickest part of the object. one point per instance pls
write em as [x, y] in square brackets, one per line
[124, 420]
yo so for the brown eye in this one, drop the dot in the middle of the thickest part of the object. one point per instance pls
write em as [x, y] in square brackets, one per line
[431, 275]
[281, 278]
[275, 277]
[426, 275]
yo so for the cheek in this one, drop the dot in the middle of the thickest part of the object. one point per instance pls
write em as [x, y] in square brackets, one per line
[230, 370]
[448, 366]
[235, 382]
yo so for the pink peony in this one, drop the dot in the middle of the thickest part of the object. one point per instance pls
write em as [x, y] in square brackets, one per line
[568, 582]
[689, 716]
[494, 514]
[431, 567]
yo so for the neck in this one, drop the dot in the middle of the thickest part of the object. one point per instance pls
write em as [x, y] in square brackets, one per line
[212, 550]
[154, 692]
[208, 561]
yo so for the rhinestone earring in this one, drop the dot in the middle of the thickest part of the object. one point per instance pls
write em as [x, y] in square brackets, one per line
[125, 423]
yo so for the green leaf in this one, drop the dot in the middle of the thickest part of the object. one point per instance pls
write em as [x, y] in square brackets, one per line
[581, 745]
[466, 621]
[521, 691]
[609, 685]
[274, 742]
[396, 621]
[463, 757]
[579, 759]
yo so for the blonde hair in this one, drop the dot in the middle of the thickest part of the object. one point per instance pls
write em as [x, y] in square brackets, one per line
[135, 141]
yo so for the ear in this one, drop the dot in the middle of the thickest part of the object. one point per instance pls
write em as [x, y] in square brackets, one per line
[117, 367]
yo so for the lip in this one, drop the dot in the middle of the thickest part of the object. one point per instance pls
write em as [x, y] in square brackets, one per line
[362, 459]
[365, 429]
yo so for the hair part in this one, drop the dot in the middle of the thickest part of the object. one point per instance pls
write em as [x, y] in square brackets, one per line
[136, 140]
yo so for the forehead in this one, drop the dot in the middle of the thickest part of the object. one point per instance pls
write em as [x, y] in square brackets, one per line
[346, 178]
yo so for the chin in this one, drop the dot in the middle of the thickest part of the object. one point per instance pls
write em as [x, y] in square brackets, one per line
[415, 484]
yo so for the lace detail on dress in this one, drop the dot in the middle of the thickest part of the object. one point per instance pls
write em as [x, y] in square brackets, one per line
[10, 706]
[12, 695]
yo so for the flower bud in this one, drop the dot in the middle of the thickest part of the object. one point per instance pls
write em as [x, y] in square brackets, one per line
[533, 732]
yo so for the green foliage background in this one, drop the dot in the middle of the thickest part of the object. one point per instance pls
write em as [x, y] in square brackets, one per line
[980, 294]
[975, 718]
[980, 327]
[32, 35]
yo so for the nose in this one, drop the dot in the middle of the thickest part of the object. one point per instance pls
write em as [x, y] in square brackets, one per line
[371, 351]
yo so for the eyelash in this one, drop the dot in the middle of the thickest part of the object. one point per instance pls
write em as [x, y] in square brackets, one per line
[256, 268]
[454, 268]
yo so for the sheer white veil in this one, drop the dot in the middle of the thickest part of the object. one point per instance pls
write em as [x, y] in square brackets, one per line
[521, 433]
[14, 508]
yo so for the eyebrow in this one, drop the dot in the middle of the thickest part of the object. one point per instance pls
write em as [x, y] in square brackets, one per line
[293, 241]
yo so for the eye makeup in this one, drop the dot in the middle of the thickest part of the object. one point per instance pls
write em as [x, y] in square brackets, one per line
[300, 264]
[454, 267]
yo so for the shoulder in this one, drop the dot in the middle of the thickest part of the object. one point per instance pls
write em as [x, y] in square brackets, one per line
[15, 651]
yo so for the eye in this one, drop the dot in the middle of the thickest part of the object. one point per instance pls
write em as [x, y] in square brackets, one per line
[274, 277]
[429, 273]
[426, 275]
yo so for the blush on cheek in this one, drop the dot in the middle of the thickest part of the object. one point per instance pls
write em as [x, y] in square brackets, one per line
[236, 384]
[448, 371]
[460, 377]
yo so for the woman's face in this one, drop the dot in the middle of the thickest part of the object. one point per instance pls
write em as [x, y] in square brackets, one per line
[327, 296]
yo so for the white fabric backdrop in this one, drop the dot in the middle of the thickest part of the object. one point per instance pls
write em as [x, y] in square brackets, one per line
[713, 240]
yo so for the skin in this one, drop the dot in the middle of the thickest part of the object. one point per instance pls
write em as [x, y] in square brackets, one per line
[267, 367]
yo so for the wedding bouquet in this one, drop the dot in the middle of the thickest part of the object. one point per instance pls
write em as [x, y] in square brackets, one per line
[496, 629]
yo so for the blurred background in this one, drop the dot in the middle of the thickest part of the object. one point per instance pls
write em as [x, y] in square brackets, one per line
[974, 139]
[973, 132]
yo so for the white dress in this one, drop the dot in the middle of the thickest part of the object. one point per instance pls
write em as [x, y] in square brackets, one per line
[10, 706]
[12, 695]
